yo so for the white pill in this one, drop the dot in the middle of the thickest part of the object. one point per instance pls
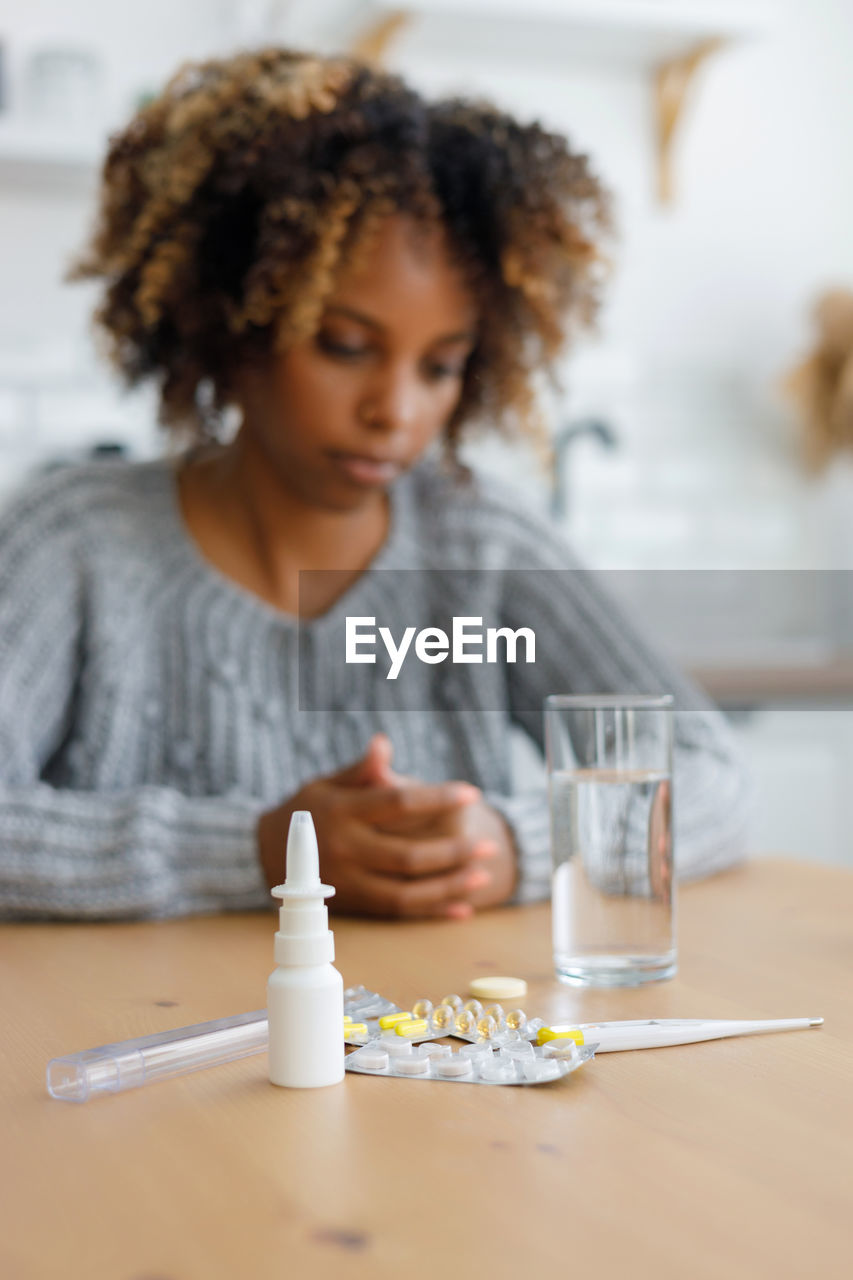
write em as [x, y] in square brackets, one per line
[562, 1050]
[498, 988]
[497, 1072]
[519, 1049]
[372, 1059]
[396, 1047]
[455, 1065]
[411, 1066]
[541, 1069]
[434, 1049]
[480, 1048]
[507, 1038]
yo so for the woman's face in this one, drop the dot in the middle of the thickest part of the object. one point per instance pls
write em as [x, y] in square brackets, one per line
[341, 414]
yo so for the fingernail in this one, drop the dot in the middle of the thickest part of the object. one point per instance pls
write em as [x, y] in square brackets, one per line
[485, 849]
[459, 911]
[465, 793]
[477, 879]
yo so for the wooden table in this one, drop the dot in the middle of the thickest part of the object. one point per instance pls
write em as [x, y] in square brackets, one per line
[723, 1160]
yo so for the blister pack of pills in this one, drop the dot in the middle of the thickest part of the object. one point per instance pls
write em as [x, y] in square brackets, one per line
[500, 1046]
[468, 1020]
[362, 1011]
[471, 1021]
[517, 1062]
[368, 1015]
[363, 1004]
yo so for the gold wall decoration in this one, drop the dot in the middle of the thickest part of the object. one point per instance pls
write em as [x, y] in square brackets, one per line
[374, 41]
[671, 83]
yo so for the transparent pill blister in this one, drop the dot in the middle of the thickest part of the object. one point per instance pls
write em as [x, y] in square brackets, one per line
[468, 1020]
[361, 1004]
[478, 1063]
[368, 1016]
[362, 1011]
[472, 1021]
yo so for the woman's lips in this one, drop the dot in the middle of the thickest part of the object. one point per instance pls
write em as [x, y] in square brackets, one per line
[365, 470]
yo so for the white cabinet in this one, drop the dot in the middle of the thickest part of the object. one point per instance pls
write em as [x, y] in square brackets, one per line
[802, 764]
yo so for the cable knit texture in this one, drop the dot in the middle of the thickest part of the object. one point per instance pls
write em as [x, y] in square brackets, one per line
[150, 708]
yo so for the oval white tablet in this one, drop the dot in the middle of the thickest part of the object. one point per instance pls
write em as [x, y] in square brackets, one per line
[498, 988]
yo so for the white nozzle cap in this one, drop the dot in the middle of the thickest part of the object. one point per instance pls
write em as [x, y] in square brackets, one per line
[302, 872]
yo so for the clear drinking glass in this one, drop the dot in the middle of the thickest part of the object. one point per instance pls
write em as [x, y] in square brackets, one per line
[610, 794]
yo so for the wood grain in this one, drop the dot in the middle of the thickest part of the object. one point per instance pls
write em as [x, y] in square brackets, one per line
[729, 1159]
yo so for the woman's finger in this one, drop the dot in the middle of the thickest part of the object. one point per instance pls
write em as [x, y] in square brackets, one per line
[390, 804]
[428, 896]
[411, 857]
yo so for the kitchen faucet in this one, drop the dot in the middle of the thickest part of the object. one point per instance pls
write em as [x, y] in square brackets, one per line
[564, 437]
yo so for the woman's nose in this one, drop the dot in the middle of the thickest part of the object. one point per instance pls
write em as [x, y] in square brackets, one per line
[392, 403]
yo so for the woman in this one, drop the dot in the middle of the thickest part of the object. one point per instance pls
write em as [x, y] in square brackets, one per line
[357, 275]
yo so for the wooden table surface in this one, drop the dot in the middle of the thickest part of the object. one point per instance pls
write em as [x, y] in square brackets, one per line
[721, 1160]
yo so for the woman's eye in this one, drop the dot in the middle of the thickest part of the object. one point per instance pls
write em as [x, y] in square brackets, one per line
[346, 350]
[440, 371]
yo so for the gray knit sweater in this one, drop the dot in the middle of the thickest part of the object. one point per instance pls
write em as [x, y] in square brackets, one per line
[151, 710]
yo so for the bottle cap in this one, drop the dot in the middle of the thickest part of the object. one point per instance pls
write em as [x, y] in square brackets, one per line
[302, 871]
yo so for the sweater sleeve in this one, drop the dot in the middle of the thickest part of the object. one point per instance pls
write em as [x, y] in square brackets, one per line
[70, 854]
[587, 643]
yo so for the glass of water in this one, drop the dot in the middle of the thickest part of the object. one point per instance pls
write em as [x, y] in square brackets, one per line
[610, 794]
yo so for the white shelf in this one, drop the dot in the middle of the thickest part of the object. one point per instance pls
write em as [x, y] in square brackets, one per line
[666, 40]
[640, 32]
[49, 148]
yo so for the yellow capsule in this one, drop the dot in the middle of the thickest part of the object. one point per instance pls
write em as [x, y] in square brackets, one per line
[495, 1011]
[422, 1008]
[391, 1019]
[466, 1022]
[486, 1027]
[442, 1017]
[516, 1019]
[355, 1029]
[455, 1002]
[415, 1027]
[347, 1018]
[474, 1006]
[544, 1034]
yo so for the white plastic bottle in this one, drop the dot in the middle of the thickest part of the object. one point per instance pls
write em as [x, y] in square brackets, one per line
[305, 992]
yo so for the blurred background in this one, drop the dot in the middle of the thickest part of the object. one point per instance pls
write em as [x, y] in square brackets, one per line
[720, 503]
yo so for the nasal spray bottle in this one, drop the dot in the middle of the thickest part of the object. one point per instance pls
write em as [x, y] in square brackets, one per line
[305, 992]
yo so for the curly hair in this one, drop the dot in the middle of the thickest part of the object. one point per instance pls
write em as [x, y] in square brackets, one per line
[230, 203]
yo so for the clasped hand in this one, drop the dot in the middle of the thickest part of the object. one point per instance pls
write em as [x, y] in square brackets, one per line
[393, 846]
